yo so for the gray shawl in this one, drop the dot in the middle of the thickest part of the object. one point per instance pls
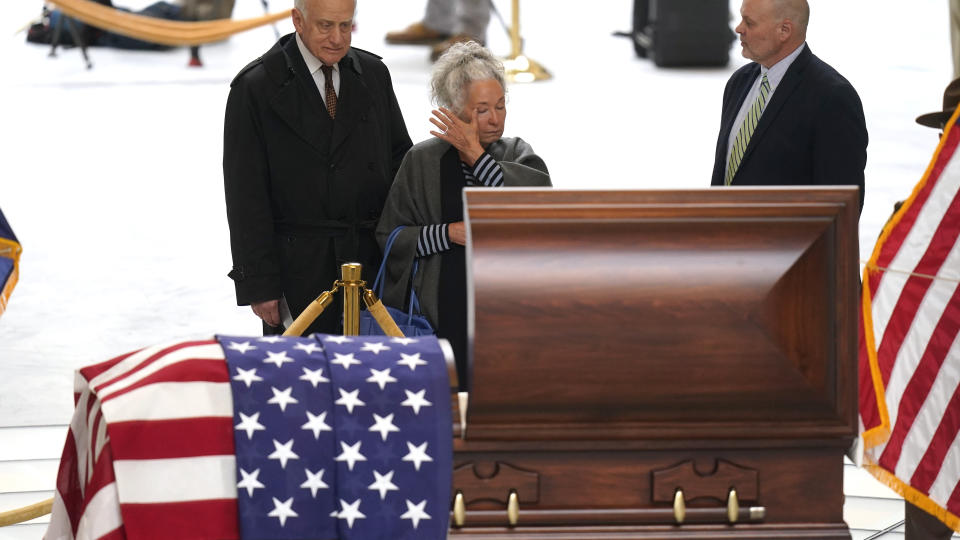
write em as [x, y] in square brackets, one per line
[414, 201]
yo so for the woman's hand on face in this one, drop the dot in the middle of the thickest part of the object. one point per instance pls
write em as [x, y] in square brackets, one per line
[458, 233]
[464, 136]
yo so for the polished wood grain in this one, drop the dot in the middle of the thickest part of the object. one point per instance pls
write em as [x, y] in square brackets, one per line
[626, 345]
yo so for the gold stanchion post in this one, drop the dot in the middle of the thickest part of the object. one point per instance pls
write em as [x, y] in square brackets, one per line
[350, 275]
[518, 67]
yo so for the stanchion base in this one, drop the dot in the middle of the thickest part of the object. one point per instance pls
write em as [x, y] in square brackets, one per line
[522, 69]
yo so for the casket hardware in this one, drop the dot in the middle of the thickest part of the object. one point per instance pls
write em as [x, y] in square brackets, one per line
[733, 506]
[679, 506]
[513, 508]
[459, 510]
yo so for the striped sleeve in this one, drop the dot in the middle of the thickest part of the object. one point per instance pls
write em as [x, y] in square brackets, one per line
[433, 239]
[487, 171]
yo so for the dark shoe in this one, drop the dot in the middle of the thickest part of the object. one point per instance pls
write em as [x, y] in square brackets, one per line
[416, 34]
[442, 47]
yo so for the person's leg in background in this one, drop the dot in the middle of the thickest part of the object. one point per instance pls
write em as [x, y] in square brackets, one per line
[437, 25]
[919, 525]
[473, 17]
[955, 35]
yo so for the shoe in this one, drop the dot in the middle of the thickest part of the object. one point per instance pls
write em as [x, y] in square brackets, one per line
[442, 47]
[416, 34]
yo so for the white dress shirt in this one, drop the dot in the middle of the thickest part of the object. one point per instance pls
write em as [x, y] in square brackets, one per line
[774, 76]
[313, 67]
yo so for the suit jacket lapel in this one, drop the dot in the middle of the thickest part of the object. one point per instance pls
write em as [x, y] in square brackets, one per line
[353, 103]
[791, 80]
[298, 102]
[730, 115]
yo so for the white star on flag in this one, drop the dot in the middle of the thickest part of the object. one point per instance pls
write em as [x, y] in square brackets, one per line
[278, 358]
[415, 512]
[282, 510]
[416, 400]
[314, 482]
[250, 481]
[313, 376]
[381, 377]
[309, 348]
[316, 423]
[250, 424]
[242, 347]
[383, 424]
[282, 398]
[403, 340]
[375, 348]
[417, 454]
[248, 376]
[411, 361]
[273, 340]
[383, 483]
[350, 512]
[345, 360]
[284, 452]
[349, 399]
[351, 454]
[340, 340]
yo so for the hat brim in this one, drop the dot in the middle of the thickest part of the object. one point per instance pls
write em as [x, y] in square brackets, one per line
[935, 120]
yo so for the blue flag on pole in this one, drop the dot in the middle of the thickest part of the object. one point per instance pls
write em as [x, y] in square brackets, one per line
[9, 261]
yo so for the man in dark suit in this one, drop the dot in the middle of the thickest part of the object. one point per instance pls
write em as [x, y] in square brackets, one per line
[788, 117]
[313, 137]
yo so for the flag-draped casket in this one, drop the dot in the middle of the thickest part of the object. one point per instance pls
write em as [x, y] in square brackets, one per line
[265, 438]
[910, 349]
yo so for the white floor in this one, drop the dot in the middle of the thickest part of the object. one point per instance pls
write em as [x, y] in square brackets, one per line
[111, 177]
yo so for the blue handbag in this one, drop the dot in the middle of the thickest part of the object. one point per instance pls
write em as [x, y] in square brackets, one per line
[411, 323]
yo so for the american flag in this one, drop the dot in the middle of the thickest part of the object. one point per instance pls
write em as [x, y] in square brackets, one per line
[316, 437]
[909, 346]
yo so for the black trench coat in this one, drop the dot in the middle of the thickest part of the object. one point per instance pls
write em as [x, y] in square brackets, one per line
[303, 191]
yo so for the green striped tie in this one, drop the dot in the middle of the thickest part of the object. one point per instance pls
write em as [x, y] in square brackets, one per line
[746, 130]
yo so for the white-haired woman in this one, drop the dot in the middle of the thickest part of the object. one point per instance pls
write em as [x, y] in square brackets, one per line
[468, 149]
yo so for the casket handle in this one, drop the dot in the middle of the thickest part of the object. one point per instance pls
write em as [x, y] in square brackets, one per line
[733, 506]
[459, 510]
[513, 508]
[679, 506]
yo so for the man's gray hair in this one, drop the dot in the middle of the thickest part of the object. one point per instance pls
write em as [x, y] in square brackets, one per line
[462, 64]
[301, 6]
[797, 11]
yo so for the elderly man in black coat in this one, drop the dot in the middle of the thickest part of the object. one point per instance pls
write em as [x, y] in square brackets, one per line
[313, 137]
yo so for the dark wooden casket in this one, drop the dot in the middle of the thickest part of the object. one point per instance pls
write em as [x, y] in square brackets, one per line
[658, 364]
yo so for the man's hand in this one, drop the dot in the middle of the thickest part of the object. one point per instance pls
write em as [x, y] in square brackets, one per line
[269, 311]
[464, 136]
[458, 233]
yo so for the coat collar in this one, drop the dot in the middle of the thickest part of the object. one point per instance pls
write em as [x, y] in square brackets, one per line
[298, 102]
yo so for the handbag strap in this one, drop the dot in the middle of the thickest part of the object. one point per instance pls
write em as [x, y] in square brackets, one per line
[414, 302]
[378, 282]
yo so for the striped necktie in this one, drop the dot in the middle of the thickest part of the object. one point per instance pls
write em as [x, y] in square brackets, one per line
[746, 131]
[331, 94]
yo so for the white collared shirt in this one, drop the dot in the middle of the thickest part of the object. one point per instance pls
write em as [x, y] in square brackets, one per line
[313, 67]
[774, 76]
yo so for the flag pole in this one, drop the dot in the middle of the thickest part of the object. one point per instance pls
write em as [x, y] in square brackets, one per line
[518, 67]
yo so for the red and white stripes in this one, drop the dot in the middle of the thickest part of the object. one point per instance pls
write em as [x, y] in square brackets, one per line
[910, 402]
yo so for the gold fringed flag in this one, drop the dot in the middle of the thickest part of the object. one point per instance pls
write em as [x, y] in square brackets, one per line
[9, 261]
[910, 346]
